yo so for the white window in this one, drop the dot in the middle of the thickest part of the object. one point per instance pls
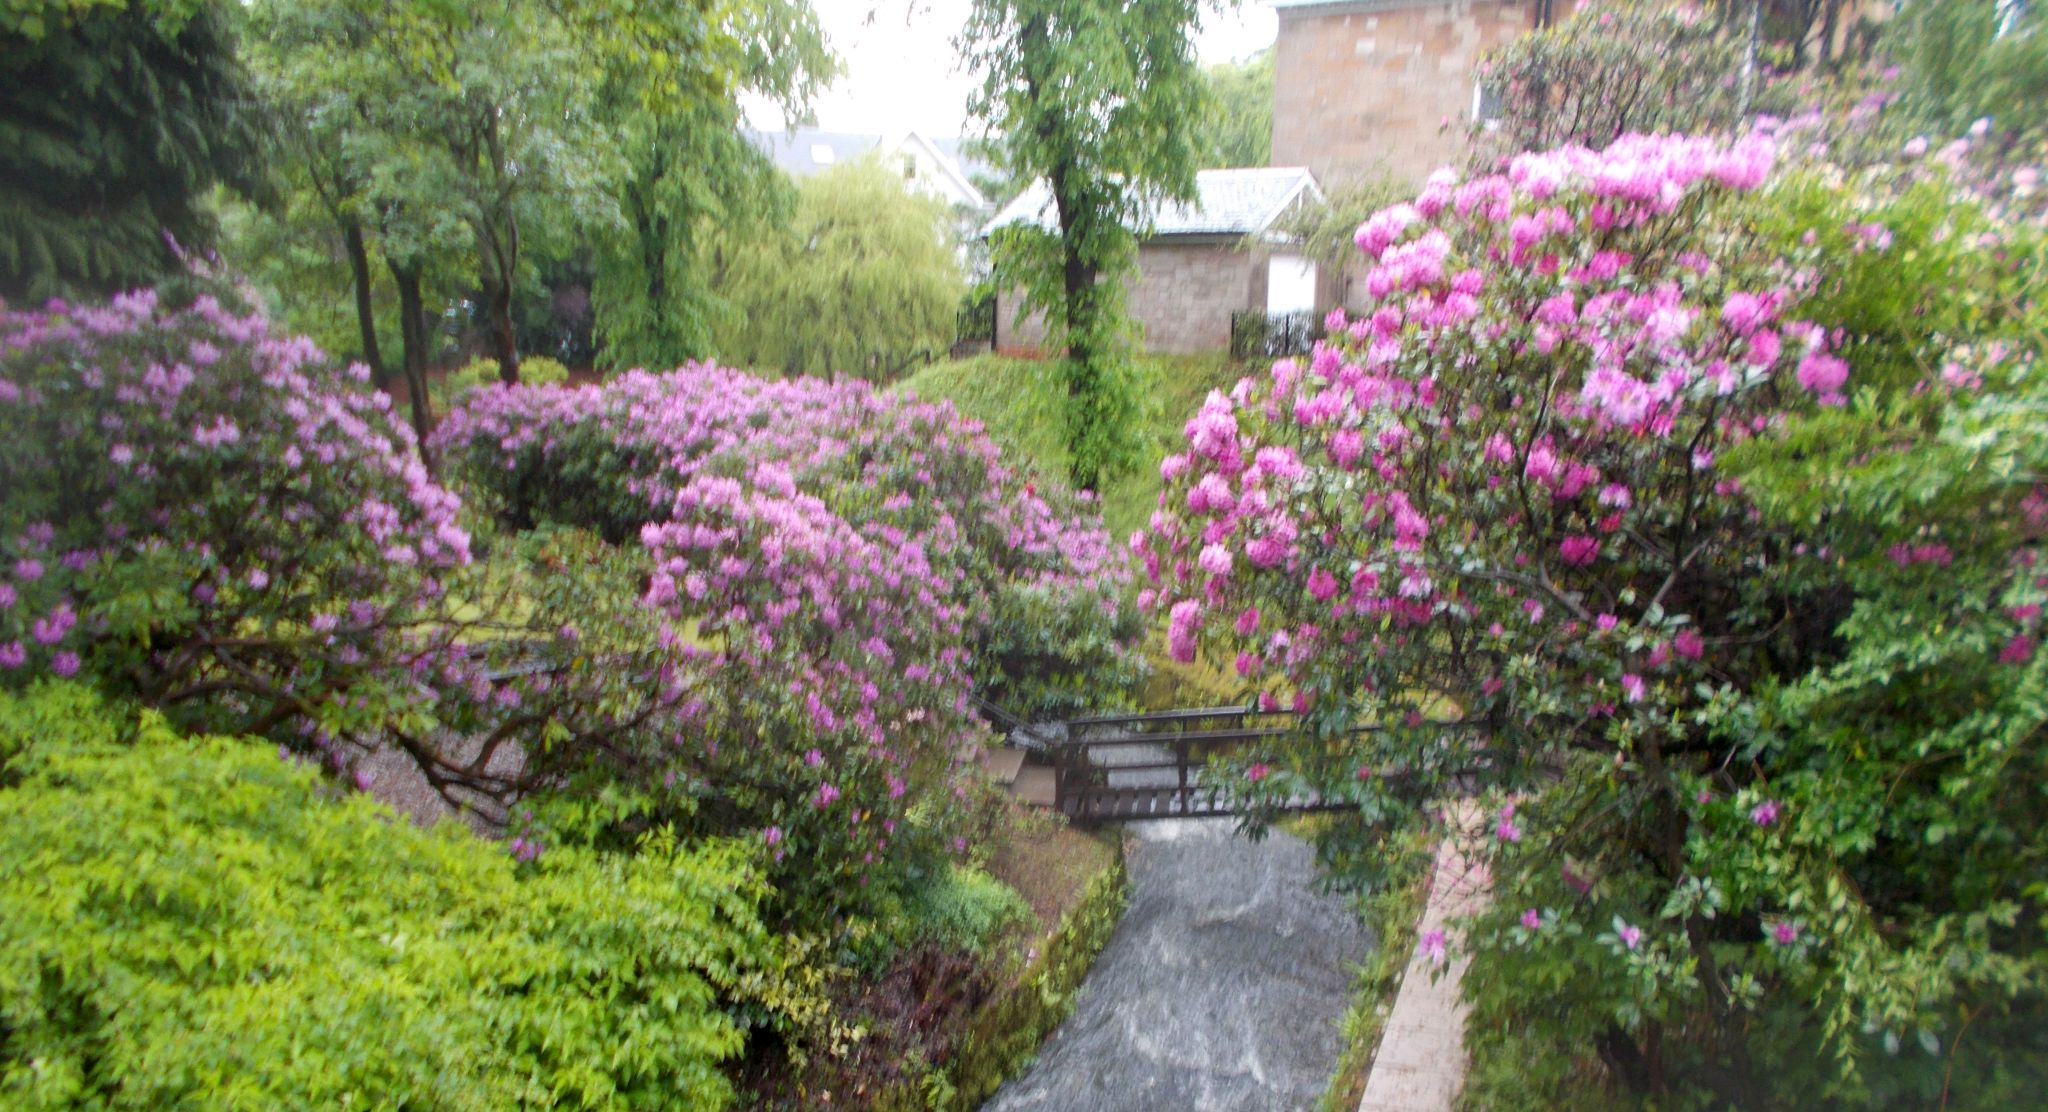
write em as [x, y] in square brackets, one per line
[1290, 284]
[1486, 105]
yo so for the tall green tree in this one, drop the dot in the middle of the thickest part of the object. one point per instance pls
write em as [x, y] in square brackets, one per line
[116, 120]
[670, 87]
[364, 93]
[1238, 130]
[863, 279]
[1966, 59]
[1098, 99]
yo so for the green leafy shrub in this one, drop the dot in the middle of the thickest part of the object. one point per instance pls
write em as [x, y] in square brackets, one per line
[1006, 1034]
[963, 908]
[226, 932]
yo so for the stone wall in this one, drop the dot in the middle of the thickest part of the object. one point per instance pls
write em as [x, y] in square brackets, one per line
[1374, 87]
[1186, 290]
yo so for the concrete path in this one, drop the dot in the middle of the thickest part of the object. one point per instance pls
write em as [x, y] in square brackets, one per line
[1421, 1061]
[1223, 989]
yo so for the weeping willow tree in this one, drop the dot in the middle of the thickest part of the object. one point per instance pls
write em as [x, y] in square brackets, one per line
[1964, 59]
[864, 279]
[115, 122]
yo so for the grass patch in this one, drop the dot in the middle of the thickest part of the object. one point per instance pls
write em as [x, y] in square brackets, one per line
[1019, 400]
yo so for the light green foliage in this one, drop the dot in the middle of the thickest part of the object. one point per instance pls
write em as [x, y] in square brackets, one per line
[226, 932]
[1238, 130]
[539, 370]
[1020, 405]
[1324, 231]
[670, 79]
[115, 122]
[1957, 66]
[862, 280]
[1097, 98]
[963, 908]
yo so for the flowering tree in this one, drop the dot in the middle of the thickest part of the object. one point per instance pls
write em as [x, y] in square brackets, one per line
[1621, 67]
[1502, 497]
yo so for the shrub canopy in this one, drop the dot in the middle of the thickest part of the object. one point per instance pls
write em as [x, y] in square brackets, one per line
[228, 931]
[1630, 467]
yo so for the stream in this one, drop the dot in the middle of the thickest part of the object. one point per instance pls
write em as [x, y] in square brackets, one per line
[1223, 988]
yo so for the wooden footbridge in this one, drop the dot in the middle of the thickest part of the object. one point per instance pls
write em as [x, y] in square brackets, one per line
[1133, 767]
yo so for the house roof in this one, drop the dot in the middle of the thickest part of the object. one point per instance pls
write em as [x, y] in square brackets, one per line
[807, 150]
[804, 151]
[1227, 202]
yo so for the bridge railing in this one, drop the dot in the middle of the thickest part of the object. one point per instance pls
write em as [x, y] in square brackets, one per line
[1083, 787]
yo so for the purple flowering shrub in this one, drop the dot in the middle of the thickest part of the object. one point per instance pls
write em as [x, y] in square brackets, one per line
[1591, 476]
[828, 569]
[224, 525]
[853, 493]
[218, 521]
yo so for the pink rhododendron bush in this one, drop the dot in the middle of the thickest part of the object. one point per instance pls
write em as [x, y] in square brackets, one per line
[225, 525]
[1703, 495]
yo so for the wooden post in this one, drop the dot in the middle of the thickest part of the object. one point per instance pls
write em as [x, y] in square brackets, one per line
[1180, 760]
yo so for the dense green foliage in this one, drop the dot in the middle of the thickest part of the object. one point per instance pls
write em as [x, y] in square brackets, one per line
[864, 278]
[963, 908]
[1091, 97]
[1238, 129]
[689, 171]
[1961, 60]
[115, 123]
[439, 154]
[227, 932]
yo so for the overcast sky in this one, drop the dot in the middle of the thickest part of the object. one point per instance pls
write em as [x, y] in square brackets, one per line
[901, 72]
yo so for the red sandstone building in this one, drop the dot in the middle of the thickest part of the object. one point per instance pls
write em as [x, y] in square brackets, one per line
[1364, 88]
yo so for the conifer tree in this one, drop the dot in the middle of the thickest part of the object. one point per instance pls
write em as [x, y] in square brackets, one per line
[115, 122]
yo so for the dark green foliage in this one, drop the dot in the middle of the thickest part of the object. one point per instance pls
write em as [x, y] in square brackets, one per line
[226, 933]
[113, 127]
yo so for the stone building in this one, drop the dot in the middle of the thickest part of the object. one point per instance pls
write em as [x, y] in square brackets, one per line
[1363, 88]
[1199, 264]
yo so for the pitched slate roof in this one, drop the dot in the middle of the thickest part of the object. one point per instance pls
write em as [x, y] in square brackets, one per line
[1227, 202]
[797, 151]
